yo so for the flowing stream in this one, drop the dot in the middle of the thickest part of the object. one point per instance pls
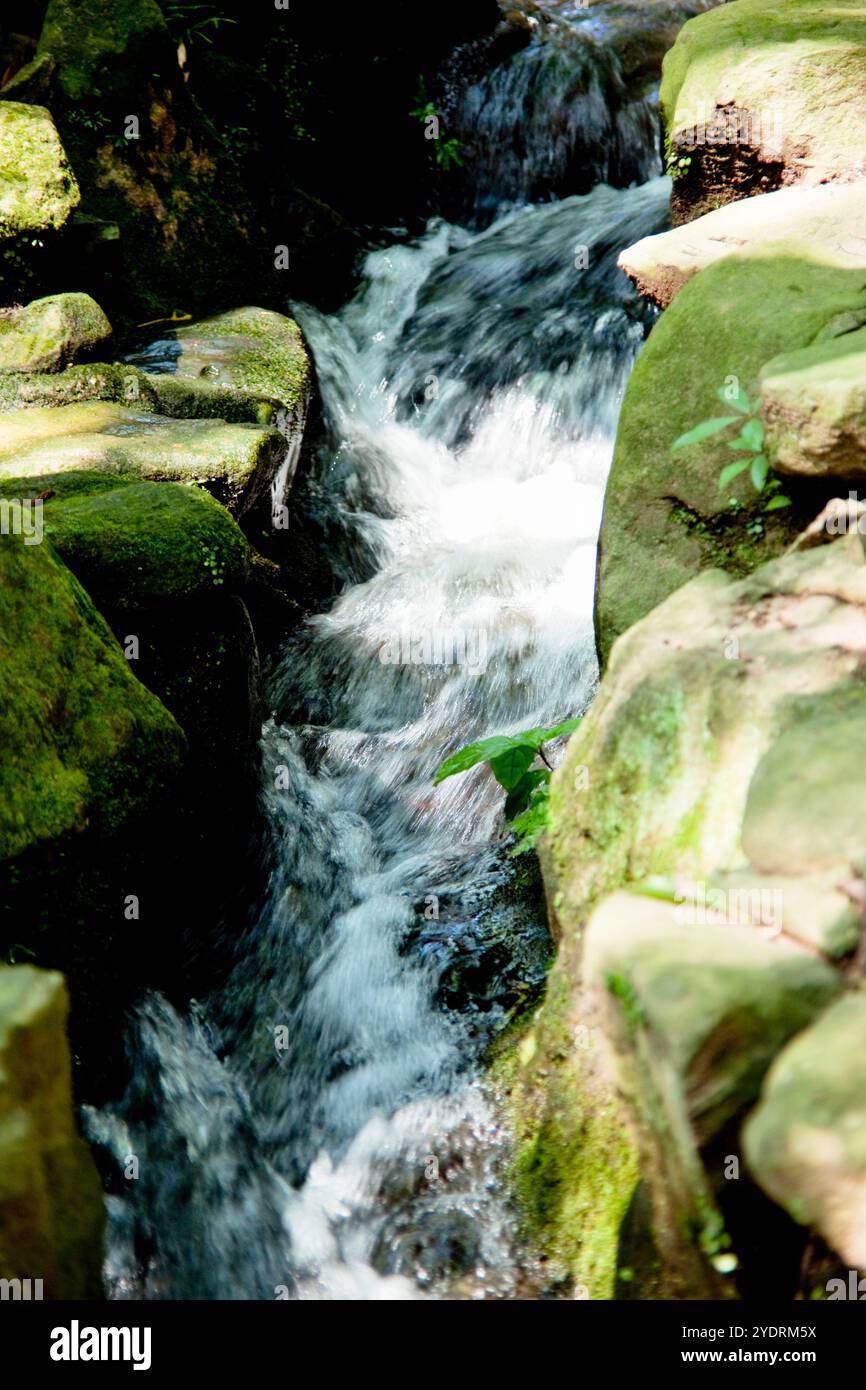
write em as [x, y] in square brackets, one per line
[317, 1128]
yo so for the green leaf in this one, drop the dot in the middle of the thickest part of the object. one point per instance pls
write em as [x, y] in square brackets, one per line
[740, 402]
[760, 469]
[753, 433]
[473, 753]
[519, 797]
[561, 730]
[776, 503]
[704, 430]
[508, 767]
[536, 737]
[731, 471]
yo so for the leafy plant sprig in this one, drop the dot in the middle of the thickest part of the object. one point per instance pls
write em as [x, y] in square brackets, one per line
[749, 443]
[510, 757]
[447, 151]
[190, 20]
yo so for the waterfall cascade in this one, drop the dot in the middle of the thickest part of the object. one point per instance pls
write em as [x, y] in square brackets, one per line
[316, 1126]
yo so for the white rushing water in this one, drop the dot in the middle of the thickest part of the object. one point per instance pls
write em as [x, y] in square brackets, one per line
[317, 1126]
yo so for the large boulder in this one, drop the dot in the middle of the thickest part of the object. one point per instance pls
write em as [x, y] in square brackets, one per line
[828, 219]
[713, 778]
[86, 745]
[251, 351]
[51, 1214]
[758, 94]
[168, 567]
[49, 334]
[665, 516]
[38, 190]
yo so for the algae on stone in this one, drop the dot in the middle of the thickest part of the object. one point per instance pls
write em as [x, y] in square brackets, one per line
[48, 334]
[85, 745]
[38, 190]
[148, 543]
[255, 351]
[687, 770]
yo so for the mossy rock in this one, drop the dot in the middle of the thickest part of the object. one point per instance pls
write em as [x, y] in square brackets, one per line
[96, 45]
[576, 1165]
[148, 544]
[237, 463]
[124, 384]
[818, 820]
[665, 517]
[715, 1002]
[813, 402]
[51, 1211]
[714, 712]
[38, 190]
[86, 746]
[805, 1142]
[255, 351]
[48, 334]
[691, 1015]
[777, 87]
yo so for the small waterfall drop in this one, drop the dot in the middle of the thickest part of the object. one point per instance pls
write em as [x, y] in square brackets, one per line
[317, 1125]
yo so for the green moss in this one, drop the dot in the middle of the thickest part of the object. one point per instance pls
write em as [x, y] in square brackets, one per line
[95, 43]
[256, 350]
[49, 333]
[84, 743]
[119, 382]
[575, 1167]
[148, 543]
[38, 190]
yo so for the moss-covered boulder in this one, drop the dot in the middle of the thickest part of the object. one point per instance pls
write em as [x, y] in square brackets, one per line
[147, 544]
[237, 463]
[828, 220]
[255, 352]
[124, 384]
[49, 334]
[85, 744]
[167, 566]
[665, 516]
[806, 1140]
[51, 1213]
[714, 778]
[95, 45]
[761, 93]
[38, 190]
